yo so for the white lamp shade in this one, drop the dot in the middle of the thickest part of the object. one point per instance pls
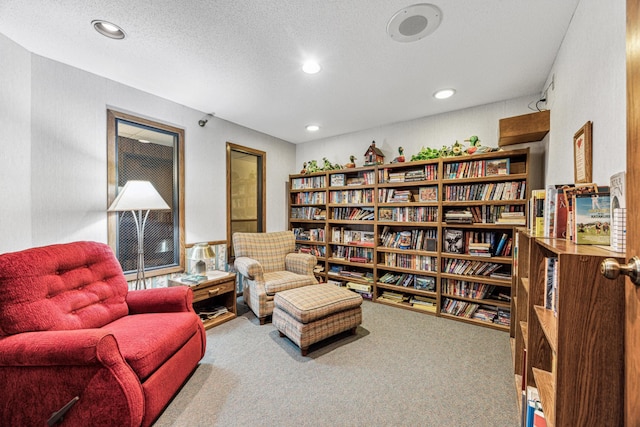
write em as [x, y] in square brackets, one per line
[138, 196]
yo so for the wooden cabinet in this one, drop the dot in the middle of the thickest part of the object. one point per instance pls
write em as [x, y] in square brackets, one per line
[217, 291]
[575, 346]
[386, 228]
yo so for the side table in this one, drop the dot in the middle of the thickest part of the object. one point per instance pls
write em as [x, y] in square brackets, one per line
[218, 290]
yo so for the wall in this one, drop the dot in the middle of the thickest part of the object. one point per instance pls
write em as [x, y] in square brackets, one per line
[590, 84]
[15, 147]
[433, 131]
[66, 200]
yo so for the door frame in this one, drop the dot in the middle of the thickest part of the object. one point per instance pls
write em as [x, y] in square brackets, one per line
[263, 188]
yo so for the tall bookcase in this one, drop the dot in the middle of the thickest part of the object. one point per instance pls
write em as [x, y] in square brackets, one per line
[575, 346]
[387, 231]
[307, 216]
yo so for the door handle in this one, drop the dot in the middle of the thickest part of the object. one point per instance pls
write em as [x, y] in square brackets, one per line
[611, 269]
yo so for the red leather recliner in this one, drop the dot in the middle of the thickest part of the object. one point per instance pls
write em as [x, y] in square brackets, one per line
[70, 328]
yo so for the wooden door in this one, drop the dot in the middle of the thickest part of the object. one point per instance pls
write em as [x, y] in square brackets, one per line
[632, 292]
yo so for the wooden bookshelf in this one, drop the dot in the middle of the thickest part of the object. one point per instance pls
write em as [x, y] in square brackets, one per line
[575, 350]
[409, 202]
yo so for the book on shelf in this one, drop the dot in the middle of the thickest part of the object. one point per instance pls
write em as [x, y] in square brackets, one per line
[428, 194]
[617, 184]
[497, 167]
[536, 212]
[338, 180]
[453, 241]
[592, 213]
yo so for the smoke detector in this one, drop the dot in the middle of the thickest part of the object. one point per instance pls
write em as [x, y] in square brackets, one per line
[414, 22]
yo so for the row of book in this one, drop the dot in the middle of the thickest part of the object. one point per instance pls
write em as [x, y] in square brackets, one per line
[477, 168]
[414, 262]
[353, 214]
[310, 198]
[416, 239]
[344, 271]
[352, 237]
[467, 267]
[466, 289]
[316, 250]
[424, 283]
[511, 190]
[582, 213]
[482, 312]
[308, 182]
[351, 196]
[308, 212]
[409, 214]
[353, 253]
[391, 195]
[428, 173]
[363, 178]
[312, 234]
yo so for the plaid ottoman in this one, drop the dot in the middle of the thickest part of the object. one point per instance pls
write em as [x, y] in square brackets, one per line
[312, 313]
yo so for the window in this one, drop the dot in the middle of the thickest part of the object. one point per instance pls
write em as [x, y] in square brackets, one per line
[140, 149]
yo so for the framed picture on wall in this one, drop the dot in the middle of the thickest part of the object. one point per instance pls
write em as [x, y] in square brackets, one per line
[582, 155]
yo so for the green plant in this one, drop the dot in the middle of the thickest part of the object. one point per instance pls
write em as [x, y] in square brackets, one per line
[427, 153]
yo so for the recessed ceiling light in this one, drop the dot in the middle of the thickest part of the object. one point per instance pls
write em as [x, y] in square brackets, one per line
[313, 128]
[108, 29]
[444, 93]
[311, 67]
[414, 22]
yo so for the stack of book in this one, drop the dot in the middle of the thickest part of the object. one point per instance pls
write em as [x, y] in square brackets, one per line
[423, 303]
[515, 218]
[480, 249]
[458, 216]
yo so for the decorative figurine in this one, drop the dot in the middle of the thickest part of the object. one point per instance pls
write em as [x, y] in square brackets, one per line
[352, 162]
[304, 168]
[400, 158]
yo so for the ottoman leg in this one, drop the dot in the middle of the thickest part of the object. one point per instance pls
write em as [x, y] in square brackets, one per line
[304, 351]
[353, 330]
[281, 334]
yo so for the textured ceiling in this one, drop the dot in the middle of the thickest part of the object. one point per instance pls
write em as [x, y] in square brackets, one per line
[241, 59]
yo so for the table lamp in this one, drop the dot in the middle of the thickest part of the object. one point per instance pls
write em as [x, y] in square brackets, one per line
[139, 196]
[200, 253]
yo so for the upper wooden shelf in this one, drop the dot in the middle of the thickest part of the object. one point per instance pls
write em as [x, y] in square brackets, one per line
[526, 128]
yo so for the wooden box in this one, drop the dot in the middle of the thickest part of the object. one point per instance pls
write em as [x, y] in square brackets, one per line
[526, 128]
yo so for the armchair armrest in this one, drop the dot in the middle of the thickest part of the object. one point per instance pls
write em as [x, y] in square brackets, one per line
[249, 268]
[160, 300]
[60, 348]
[300, 263]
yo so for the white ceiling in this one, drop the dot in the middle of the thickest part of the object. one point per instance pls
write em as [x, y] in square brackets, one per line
[241, 59]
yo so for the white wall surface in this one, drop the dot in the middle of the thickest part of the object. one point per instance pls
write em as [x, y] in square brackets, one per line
[433, 131]
[67, 198]
[15, 146]
[590, 85]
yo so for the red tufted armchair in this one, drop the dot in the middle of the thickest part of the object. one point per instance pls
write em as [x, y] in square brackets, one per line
[71, 334]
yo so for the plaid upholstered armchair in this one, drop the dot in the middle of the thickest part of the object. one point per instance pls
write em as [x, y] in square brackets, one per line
[269, 264]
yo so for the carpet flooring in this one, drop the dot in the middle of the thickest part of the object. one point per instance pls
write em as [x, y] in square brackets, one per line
[401, 368]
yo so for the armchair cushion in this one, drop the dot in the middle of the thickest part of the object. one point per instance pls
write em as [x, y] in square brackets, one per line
[146, 341]
[282, 280]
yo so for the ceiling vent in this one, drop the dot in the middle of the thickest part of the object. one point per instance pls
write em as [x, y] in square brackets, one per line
[414, 22]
